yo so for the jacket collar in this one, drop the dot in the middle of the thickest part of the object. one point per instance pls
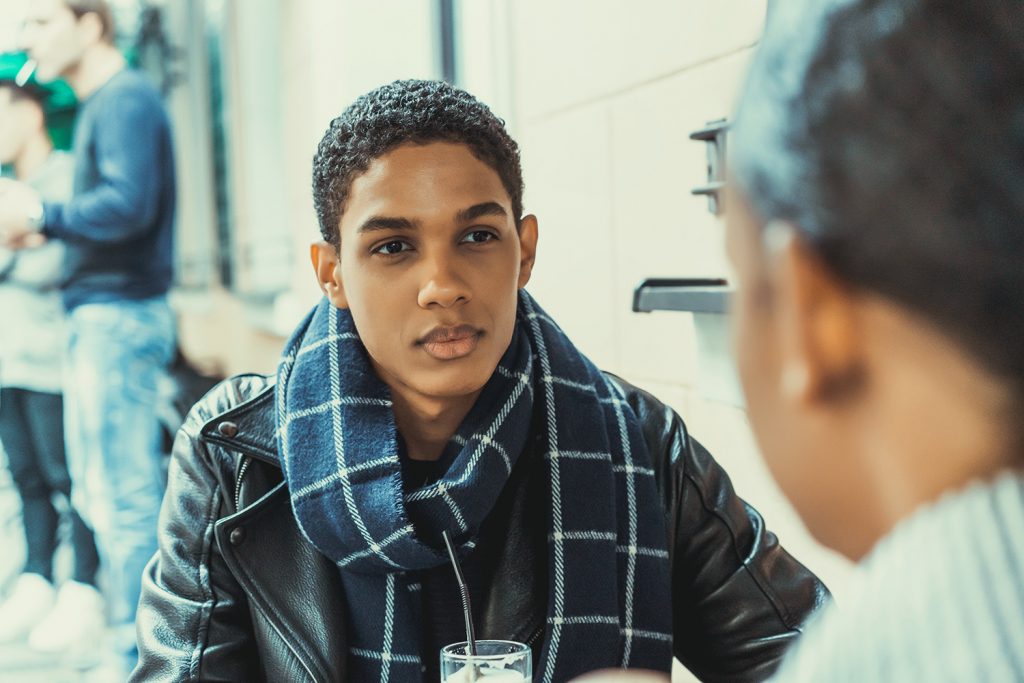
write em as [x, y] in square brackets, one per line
[248, 428]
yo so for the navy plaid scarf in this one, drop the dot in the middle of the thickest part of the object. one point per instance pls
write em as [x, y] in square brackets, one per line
[609, 594]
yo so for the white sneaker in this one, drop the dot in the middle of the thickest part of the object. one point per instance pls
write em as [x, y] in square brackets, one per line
[76, 620]
[27, 604]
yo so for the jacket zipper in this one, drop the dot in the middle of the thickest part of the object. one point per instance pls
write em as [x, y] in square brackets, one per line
[238, 482]
[242, 469]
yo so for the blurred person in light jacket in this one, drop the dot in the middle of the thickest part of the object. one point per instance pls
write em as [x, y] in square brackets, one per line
[32, 339]
[118, 232]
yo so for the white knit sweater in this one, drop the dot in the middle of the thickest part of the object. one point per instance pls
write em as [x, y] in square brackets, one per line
[941, 598]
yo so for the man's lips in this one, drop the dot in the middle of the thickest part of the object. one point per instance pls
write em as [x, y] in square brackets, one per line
[449, 343]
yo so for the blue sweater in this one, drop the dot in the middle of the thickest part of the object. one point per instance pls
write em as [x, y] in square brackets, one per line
[118, 226]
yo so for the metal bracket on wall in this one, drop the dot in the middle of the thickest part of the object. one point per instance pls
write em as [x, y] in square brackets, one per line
[697, 295]
[714, 135]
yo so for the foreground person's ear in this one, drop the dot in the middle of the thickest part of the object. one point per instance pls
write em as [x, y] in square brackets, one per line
[527, 248]
[326, 265]
[817, 314]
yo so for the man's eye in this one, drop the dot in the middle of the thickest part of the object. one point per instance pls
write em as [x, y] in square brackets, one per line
[479, 237]
[393, 247]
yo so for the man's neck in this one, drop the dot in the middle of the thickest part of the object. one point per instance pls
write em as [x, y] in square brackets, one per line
[32, 156]
[98, 65]
[427, 424]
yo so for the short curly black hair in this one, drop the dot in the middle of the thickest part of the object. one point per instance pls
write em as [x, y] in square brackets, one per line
[404, 111]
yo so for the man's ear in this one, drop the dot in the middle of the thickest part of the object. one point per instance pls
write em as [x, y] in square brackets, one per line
[822, 358]
[90, 28]
[527, 248]
[326, 265]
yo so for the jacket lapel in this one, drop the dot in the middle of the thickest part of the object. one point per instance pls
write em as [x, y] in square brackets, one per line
[294, 587]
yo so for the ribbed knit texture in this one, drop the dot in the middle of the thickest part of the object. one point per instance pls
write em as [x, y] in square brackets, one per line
[941, 598]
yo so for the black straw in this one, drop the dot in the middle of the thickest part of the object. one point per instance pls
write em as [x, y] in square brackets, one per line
[466, 607]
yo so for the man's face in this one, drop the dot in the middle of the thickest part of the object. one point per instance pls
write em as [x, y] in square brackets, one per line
[15, 124]
[430, 265]
[54, 38]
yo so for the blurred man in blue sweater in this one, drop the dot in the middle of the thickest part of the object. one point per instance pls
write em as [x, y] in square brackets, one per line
[118, 232]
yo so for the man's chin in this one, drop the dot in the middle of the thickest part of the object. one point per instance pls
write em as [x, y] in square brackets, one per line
[454, 380]
[451, 390]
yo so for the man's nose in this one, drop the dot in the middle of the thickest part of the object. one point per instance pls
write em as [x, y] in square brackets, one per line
[442, 284]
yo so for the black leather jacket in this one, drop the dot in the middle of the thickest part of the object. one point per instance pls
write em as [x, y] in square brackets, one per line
[236, 592]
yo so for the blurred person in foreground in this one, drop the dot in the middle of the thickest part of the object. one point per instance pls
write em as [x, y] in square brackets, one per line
[301, 534]
[876, 226]
[32, 339]
[117, 228]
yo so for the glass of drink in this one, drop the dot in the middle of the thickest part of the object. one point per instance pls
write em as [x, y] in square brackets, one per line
[496, 661]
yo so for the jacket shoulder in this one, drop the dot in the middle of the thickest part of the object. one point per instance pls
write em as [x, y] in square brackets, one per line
[228, 395]
[668, 441]
[234, 419]
[664, 430]
[238, 415]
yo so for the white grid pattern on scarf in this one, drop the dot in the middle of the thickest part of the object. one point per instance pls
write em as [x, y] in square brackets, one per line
[483, 438]
[640, 550]
[332, 404]
[341, 474]
[380, 656]
[556, 495]
[453, 506]
[627, 454]
[633, 469]
[329, 339]
[376, 547]
[437, 489]
[579, 455]
[389, 627]
[287, 361]
[585, 388]
[583, 536]
[339, 451]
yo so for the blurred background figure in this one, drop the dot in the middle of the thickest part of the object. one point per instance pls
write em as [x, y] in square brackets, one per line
[32, 118]
[877, 231]
[117, 228]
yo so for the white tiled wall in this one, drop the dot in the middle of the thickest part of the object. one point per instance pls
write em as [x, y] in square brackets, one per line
[574, 51]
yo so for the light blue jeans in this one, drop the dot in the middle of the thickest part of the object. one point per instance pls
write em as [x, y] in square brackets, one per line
[116, 372]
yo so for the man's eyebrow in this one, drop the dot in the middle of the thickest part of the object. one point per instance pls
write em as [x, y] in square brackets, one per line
[480, 210]
[375, 223]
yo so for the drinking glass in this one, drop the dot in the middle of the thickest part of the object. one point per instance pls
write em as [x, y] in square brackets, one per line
[496, 661]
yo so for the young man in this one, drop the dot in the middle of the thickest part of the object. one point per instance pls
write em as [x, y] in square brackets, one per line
[118, 232]
[301, 535]
[32, 341]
